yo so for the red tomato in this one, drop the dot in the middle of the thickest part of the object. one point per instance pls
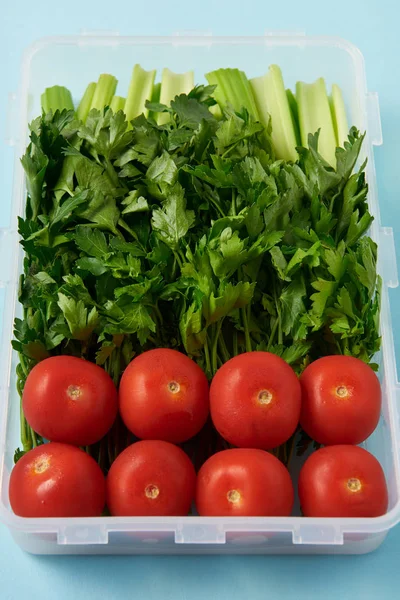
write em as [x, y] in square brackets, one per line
[163, 395]
[244, 482]
[341, 400]
[151, 478]
[70, 400]
[57, 480]
[342, 481]
[255, 400]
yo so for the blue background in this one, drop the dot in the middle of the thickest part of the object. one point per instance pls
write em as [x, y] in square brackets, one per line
[373, 27]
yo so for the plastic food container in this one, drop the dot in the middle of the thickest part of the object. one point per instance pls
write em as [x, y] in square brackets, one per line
[73, 62]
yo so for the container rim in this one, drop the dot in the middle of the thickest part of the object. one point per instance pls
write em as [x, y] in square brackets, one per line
[265, 524]
[269, 38]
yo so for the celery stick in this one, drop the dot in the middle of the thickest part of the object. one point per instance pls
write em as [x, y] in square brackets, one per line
[140, 90]
[248, 94]
[84, 105]
[338, 111]
[117, 103]
[220, 93]
[155, 97]
[104, 92]
[314, 114]
[55, 98]
[43, 103]
[270, 94]
[233, 88]
[173, 84]
[295, 114]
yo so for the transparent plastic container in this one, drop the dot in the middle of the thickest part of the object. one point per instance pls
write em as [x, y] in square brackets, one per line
[73, 62]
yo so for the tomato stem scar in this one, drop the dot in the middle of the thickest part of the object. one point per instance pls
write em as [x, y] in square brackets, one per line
[265, 397]
[354, 484]
[74, 392]
[342, 391]
[233, 496]
[174, 387]
[41, 465]
[152, 491]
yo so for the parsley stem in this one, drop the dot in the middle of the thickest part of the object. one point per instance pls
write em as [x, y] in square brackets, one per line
[33, 436]
[23, 364]
[178, 259]
[247, 338]
[233, 202]
[232, 147]
[158, 313]
[214, 353]
[217, 207]
[173, 274]
[25, 438]
[272, 334]
[235, 343]
[278, 311]
[207, 357]
[223, 348]
[182, 256]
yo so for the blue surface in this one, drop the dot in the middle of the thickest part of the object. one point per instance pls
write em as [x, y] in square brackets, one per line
[373, 27]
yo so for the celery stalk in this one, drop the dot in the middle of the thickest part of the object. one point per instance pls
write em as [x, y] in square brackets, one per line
[248, 95]
[117, 103]
[338, 111]
[140, 90]
[233, 88]
[294, 109]
[173, 84]
[85, 104]
[104, 92]
[155, 97]
[55, 98]
[270, 94]
[314, 114]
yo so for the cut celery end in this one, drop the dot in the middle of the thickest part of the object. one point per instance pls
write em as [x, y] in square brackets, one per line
[86, 102]
[270, 94]
[314, 114]
[104, 92]
[233, 88]
[140, 90]
[55, 98]
[155, 97]
[173, 84]
[117, 103]
[339, 118]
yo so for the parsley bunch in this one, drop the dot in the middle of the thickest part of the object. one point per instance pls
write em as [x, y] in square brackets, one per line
[190, 235]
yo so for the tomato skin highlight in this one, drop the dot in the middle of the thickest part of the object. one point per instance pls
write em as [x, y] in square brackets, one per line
[341, 400]
[244, 482]
[151, 478]
[342, 481]
[255, 400]
[70, 400]
[164, 395]
[57, 480]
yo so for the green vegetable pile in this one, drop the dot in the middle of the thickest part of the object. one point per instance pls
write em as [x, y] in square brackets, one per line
[188, 232]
